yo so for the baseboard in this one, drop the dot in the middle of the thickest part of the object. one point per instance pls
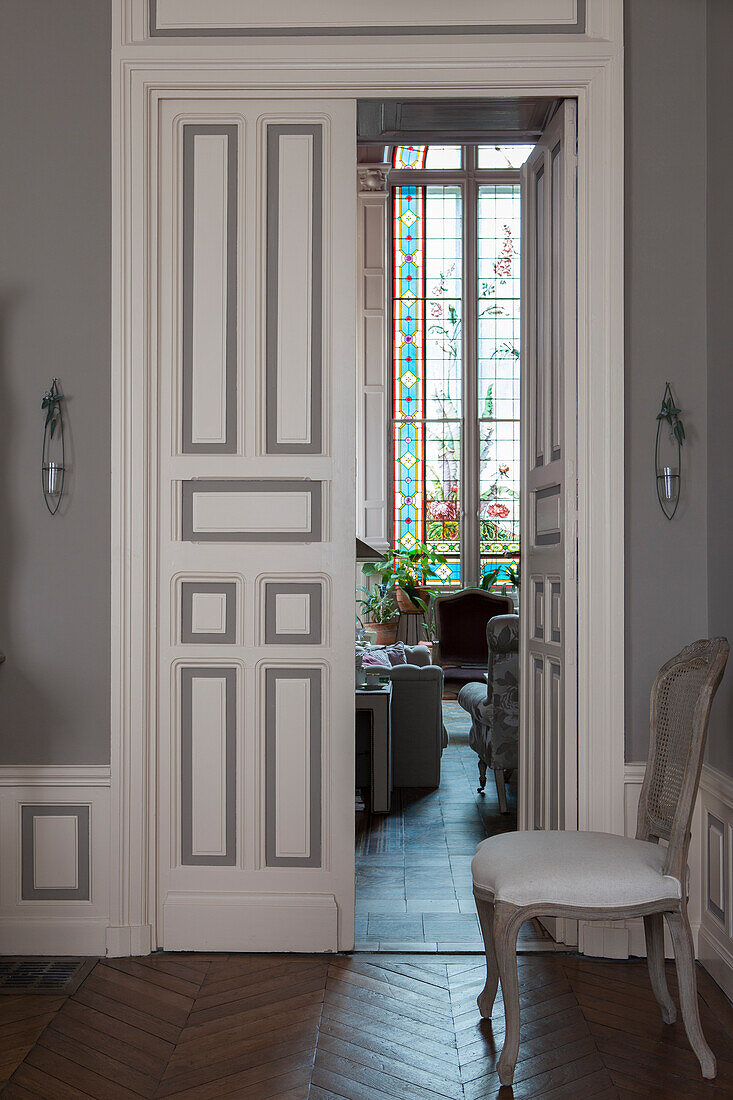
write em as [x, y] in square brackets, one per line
[128, 939]
[717, 960]
[53, 937]
[261, 922]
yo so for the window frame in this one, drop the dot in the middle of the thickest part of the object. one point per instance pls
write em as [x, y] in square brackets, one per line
[469, 178]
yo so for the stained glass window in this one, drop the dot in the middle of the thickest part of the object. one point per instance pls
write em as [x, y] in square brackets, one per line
[409, 156]
[503, 156]
[431, 368]
[498, 226]
[428, 283]
[427, 156]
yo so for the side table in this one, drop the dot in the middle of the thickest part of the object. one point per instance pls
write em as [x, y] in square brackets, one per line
[376, 703]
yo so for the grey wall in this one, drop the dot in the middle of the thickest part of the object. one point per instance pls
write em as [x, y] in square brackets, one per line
[666, 563]
[54, 320]
[720, 362]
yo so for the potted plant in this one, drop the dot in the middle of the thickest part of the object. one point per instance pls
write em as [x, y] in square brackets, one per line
[408, 571]
[379, 613]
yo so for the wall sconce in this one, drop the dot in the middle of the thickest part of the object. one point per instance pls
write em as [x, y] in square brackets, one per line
[53, 460]
[668, 454]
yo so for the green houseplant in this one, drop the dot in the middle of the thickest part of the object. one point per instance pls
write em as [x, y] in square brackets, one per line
[408, 572]
[379, 612]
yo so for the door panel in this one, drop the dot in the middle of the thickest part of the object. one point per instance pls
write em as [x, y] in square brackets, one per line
[255, 263]
[548, 615]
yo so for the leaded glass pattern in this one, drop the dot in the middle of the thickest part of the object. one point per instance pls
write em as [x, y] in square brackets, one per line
[409, 156]
[499, 225]
[429, 361]
[427, 156]
[427, 356]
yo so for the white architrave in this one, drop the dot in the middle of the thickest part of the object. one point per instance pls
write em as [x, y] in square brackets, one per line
[586, 66]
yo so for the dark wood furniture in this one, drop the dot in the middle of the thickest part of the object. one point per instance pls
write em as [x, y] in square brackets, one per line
[373, 709]
[461, 619]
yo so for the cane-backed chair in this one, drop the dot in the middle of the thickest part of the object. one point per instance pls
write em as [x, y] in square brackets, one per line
[600, 876]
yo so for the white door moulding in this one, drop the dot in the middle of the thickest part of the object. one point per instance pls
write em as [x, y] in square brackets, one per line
[588, 67]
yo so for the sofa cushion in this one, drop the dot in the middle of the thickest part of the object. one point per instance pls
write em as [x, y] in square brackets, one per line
[387, 657]
[594, 870]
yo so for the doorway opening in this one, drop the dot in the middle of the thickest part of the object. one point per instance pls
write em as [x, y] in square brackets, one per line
[453, 295]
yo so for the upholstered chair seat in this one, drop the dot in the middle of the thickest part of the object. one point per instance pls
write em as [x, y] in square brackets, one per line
[584, 869]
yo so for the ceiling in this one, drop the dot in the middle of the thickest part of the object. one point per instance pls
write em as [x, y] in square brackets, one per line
[398, 121]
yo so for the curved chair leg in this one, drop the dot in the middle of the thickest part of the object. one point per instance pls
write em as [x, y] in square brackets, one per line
[684, 957]
[500, 788]
[487, 996]
[506, 928]
[481, 775]
[654, 935]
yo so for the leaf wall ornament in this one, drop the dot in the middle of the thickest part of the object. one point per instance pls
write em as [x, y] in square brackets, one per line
[53, 457]
[668, 480]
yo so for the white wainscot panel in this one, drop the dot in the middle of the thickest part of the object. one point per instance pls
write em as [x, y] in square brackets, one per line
[293, 742]
[56, 852]
[292, 613]
[292, 769]
[374, 419]
[208, 766]
[242, 512]
[209, 299]
[251, 510]
[54, 859]
[295, 280]
[242, 16]
[209, 612]
[715, 878]
[374, 350]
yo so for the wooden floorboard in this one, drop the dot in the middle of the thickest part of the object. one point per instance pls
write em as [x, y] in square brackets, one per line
[354, 1027]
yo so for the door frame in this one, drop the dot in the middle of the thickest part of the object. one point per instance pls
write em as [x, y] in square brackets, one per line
[145, 69]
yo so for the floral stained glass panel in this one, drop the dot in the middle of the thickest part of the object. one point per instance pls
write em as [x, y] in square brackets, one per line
[498, 373]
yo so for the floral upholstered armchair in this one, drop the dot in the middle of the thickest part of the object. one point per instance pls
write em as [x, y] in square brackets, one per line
[494, 708]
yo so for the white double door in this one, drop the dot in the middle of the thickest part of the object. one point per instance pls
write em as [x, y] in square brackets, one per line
[548, 629]
[254, 346]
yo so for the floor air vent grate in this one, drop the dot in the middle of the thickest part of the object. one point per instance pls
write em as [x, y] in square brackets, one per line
[41, 975]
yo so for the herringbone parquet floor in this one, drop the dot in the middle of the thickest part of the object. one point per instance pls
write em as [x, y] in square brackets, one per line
[363, 1027]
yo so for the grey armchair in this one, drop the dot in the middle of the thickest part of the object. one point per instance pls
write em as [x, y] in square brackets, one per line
[494, 707]
[418, 734]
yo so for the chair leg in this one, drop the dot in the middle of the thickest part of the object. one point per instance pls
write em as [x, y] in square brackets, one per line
[654, 935]
[487, 996]
[506, 928]
[684, 957]
[481, 775]
[500, 788]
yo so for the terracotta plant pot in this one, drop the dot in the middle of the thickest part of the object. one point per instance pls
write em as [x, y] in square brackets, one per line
[386, 633]
[405, 603]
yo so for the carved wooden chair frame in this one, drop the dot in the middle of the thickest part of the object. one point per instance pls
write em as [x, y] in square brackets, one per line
[662, 815]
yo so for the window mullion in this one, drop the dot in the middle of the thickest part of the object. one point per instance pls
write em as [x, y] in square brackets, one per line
[470, 554]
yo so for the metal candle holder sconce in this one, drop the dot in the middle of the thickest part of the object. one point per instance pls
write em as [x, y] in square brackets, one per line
[53, 460]
[669, 477]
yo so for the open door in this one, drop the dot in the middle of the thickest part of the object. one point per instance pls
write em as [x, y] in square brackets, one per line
[548, 732]
[254, 316]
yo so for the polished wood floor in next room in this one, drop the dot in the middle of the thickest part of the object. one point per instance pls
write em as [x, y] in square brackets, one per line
[360, 1027]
